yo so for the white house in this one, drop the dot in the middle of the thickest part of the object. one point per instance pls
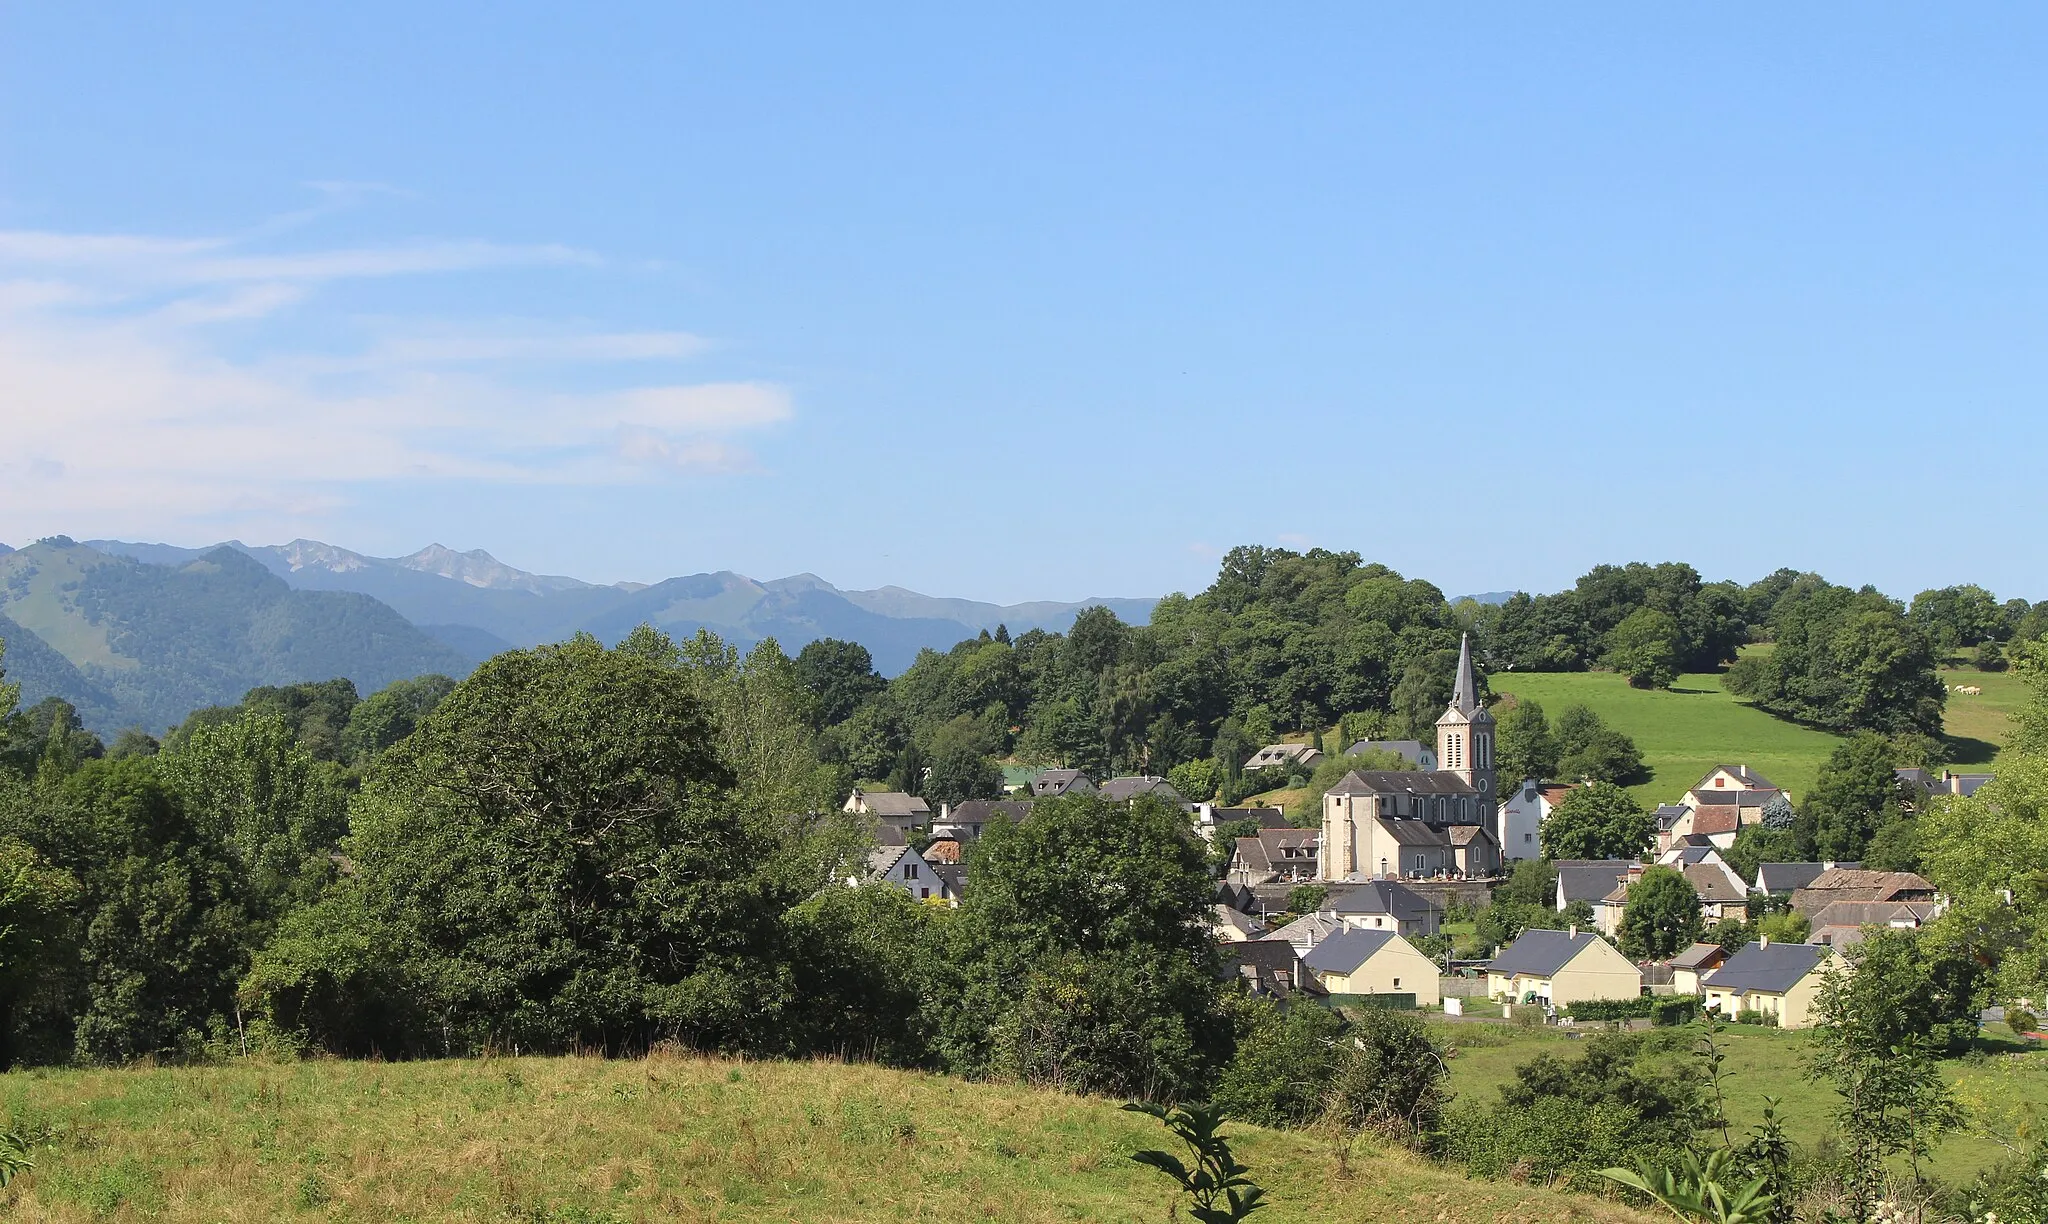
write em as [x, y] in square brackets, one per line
[1522, 813]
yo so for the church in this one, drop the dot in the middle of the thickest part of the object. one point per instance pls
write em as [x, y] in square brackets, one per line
[1408, 823]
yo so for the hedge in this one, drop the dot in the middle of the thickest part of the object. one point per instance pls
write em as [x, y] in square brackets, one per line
[1672, 1010]
[1609, 1009]
[1390, 1002]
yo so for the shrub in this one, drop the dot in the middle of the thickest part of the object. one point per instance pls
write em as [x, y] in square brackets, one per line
[1673, 1010]
[2022, 1020]
[1610, 1009]
[1751, 1016]
[1391, 1078]
[1283, 1064]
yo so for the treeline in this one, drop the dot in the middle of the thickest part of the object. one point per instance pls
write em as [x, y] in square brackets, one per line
[1285, 642]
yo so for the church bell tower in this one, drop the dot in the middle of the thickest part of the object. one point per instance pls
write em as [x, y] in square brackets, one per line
[1464, 735]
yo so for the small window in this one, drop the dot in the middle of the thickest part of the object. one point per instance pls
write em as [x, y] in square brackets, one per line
[1397, 983]
[924, 893]
[1528, 837]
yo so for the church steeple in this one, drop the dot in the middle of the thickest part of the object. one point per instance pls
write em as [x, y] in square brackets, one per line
[1465, 696]
[1464, 735]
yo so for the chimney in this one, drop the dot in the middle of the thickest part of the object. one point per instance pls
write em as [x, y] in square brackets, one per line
[1575, 930]
[1763, 941]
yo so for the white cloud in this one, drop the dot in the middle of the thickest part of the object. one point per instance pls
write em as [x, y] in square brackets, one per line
[129, 397]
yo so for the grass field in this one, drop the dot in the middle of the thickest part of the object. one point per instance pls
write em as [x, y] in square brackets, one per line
[1978, 725]
[1766, 1062]
[1684, 731]
[666, 1138]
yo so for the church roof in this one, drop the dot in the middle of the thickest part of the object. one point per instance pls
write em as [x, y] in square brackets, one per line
[1401, 782]
[1465, 697]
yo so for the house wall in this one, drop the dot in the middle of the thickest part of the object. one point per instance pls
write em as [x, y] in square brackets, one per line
[1607, 917]
[1802, 1002]
[1685, 981]
[1520, 827]
[1597, 972]
[1396, 968]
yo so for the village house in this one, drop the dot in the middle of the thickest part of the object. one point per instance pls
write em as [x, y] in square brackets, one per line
[1666, 818]
[1607, 911]
[1561, 968]
[1383, 905]
[1689, 966]
[1475, 852]
[1123, 790]
[1353, 962]
[1721, 894]
[1282, 854]
[1589, 880]
[1391, 822]
[1270, 968]
[1843, 924]
[1305, 932]
[1519, 828]
[1227, 924]
[965, 821]
[906, 869]
[1056, 782]
[1208, 816]
[1682, 857]
[1845, 884]
[1780, 980]
[893, 808]
[1920, 785]
[1784, 879]
[1284, 756]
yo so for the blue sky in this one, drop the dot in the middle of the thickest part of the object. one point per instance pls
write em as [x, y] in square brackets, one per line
[1045, 303]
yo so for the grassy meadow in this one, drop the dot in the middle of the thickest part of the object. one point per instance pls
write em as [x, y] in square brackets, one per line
[1683, 731]
[1978, 724]
[1762, 1062]
[663, 1138]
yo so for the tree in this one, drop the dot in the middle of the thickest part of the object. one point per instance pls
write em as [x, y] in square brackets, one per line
[1283, 1061]
[1856, 794]
[35, 903]
[1758, 844]
[1391, 1079]
[1643, 648]
[1845, 660]
[390, 714]
[840, 677]
[1598, 821]
[1083, 954]
[1590, 750]
[556, 857]
[1662, 918]
[1523, 743]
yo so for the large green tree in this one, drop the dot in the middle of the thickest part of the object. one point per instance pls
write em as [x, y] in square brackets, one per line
[1598, 821]
[1662, 917]
[1856, 794]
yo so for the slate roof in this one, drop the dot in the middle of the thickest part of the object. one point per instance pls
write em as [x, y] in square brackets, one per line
[894, 803]
[1713, 884]
[954, 875]
[1411, 750]
[1401, 782]
[1727, 796]
[1056, 782]
[1270, 965]
[1251, 858]
[1308, 930]
[1541, 953]
[1867, 913]
[1773, 969]
[1290, 838]
[1590, 883]
[1268, 818]
[1689, 856]
[1667, 815]
[1413, 832]
[1390, 897]
[1346, 950]
[1122, 789]
[1848, 884]
[1789, 877]
[1465, 835]
[889, 835]
[1282, 754]
[1743, 774]
[882, 860]
[983, 811]
[1698, 956]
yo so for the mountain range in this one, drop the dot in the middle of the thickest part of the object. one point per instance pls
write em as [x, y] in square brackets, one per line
[141, 634]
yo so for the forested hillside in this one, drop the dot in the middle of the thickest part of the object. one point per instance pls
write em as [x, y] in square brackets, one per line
[131, 644]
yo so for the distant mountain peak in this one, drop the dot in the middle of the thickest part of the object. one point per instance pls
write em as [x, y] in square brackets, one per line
[312, 554]
[480, 569]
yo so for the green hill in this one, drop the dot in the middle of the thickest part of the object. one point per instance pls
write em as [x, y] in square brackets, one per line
[130, 643]
[1685, 731]
[665, 1138]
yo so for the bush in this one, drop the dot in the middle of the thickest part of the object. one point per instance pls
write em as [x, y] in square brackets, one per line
[1750, 1016]
[1391, 1078]
[1284, 1062]
[2022, 1020]
[1610, 1009]
[1673, 1010]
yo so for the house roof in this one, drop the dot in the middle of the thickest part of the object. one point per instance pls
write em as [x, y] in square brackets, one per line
[1389, 897]
[1787, 877]
[1346, 950]
[1668, 814]
[1120, 789]
[1889, 885]
[954, 875]
[1590, 883]
[1268, 817]
[1541, 953]
[1771, 968]
[1309, 930]
[1409, 749]
[1290, 838]
[1728, 796]
[1252, 858]
[1270, 966]
[1713, 884]
[1057, 781]
[1750, 779]
[1281, 754]
[894, 803]
[882, 860]
[1708, 819]
[1688, 855]
[1227, 917]
[1401, 782]
[889, 835]
[1465, 835]
[1413, 832]
[982, 811]
[1699, 956]
[1868, 913]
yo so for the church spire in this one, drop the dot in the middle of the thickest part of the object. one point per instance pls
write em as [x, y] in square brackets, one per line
[1465, 697]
